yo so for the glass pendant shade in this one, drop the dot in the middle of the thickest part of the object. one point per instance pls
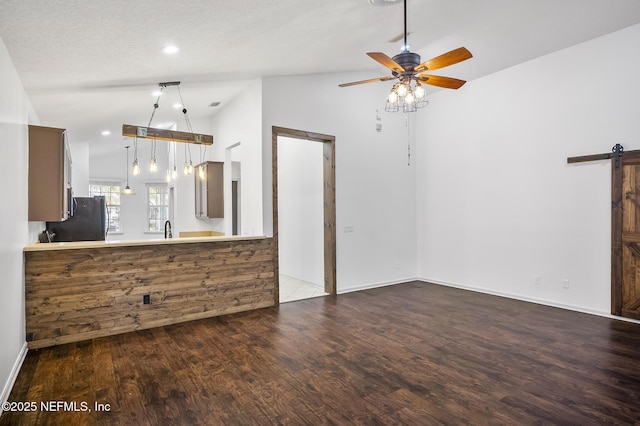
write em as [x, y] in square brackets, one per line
[188, 168]
[135, 168]
[410, 98]
[128, 191]
[402, 90]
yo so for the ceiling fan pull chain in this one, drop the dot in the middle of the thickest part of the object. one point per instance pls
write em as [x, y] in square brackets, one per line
[406, 123]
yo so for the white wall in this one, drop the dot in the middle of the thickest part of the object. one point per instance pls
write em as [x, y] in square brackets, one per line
[300, 209]
[375, 188]
[240, 121]
[79, 168]
[497, 202]
[184, 186]
[15, 114]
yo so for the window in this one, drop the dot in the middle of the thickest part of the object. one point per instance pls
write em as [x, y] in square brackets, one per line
[111, 193]
[157, 206]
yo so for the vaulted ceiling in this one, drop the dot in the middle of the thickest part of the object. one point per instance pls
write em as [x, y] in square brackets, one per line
[91, 65]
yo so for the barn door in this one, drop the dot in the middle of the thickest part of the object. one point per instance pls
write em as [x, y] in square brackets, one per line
[629, 290]
[625, 228]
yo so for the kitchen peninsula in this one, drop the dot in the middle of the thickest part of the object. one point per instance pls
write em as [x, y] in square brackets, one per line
[82, 290]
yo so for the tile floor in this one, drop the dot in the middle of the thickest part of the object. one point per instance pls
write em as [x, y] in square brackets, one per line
[294, 289]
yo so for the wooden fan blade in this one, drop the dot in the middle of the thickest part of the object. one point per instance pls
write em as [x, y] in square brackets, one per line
[371, 80]
[436, 80]
[453, 57]
[386, 61]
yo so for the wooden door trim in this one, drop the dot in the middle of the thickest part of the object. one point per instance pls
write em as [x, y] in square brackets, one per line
[329, 196]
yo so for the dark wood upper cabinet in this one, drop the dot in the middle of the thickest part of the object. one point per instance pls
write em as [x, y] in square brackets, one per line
[50, 196]
[210, 190]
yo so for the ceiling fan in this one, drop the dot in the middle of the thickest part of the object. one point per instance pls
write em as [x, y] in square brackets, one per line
[408, 92]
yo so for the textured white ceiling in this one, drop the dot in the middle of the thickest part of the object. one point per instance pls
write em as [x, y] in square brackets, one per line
[90, 65]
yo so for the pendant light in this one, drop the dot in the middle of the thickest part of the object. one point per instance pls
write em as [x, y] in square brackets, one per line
[153, 163]
[127, 190]
[135, 168]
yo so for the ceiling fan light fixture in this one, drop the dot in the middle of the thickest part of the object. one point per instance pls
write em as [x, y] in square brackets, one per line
[405, 97]
[409, 69]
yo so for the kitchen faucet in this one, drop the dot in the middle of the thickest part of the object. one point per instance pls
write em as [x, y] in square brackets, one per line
[167, 234]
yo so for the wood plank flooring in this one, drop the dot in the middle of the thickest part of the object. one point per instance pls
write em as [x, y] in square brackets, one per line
[413, 353]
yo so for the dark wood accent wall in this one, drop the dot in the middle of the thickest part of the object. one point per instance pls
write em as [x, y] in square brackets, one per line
[79, 294]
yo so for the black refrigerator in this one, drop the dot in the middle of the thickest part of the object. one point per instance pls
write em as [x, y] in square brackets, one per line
[88, 223]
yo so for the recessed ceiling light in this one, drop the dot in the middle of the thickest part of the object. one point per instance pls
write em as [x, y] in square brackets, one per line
[384, 2]
[170, 49]
[156, 93]
[176, 106]
[106, 133]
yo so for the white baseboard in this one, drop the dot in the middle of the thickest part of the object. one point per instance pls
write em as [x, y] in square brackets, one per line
[529, 299]
[6, 391]
[375, 285]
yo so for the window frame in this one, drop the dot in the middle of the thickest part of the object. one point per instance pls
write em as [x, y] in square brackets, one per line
[161, 219]
[110, 206]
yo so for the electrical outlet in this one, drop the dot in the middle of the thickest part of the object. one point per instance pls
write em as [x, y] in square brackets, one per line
[537, 280]
[565, 283]
[348, 228]
[397, 264]
[146, 299]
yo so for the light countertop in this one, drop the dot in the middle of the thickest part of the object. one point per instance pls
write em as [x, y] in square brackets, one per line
[127, 243]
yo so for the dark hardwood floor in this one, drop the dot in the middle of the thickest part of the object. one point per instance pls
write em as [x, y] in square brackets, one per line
[412, 353]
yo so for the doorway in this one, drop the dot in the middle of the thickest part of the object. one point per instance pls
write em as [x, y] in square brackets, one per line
[328, 213]
[233, 189]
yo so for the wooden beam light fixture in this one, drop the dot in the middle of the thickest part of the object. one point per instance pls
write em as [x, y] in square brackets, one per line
[149, 132]
[166, 135]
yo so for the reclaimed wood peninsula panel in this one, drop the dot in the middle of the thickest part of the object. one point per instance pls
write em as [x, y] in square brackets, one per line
[80, 294]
